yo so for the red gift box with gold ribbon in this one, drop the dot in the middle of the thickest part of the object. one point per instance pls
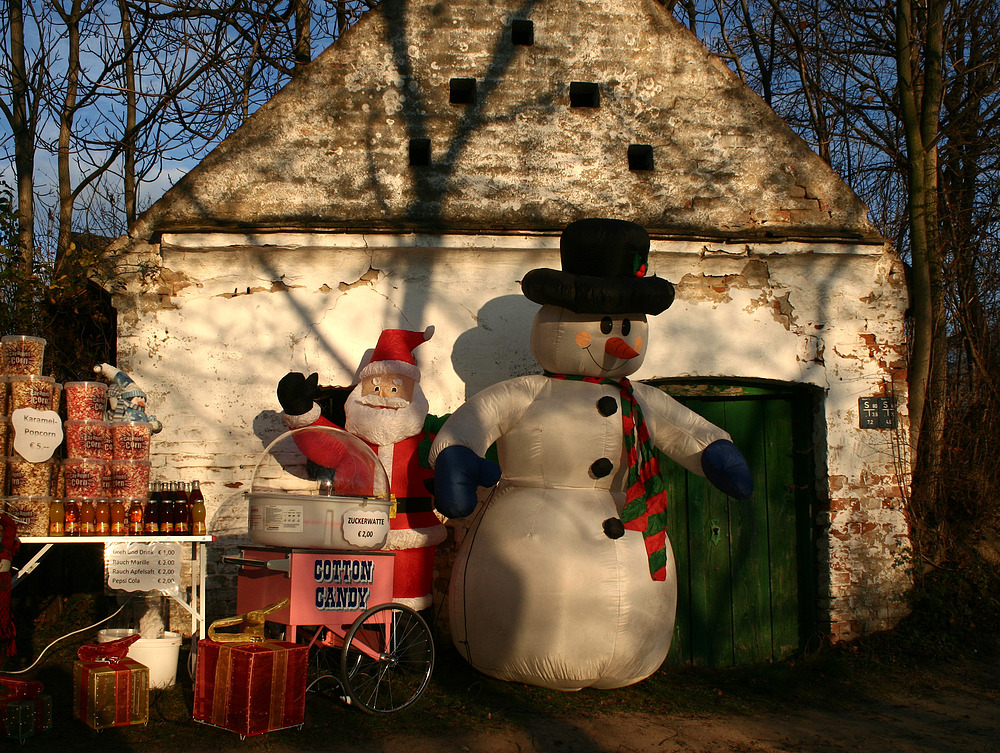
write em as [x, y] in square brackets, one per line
[111, 693]
[109, 689]
[250, 688]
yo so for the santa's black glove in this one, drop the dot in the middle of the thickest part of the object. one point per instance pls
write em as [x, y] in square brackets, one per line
[296, 392]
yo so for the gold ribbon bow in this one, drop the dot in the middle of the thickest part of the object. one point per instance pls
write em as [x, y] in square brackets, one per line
[251, 624]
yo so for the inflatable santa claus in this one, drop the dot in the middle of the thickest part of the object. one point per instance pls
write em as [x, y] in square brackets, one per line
[388, 410]
[566, 578]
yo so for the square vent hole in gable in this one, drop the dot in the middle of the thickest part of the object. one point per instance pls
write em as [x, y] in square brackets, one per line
[584, 94]
[522, 32]
[463, 91]
[420, 152]
[640, 157]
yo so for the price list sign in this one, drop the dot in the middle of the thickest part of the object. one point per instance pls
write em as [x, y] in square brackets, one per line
[143, 566]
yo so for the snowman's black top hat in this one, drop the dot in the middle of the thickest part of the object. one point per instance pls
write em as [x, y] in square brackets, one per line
[604, 271]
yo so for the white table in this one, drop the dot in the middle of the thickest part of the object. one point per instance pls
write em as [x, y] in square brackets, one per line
[194, 604]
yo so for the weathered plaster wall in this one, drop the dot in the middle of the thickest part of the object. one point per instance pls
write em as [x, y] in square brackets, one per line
[331, 149]
[228, 315]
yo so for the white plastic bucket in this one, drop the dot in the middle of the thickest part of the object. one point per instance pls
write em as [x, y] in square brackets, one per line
[159, 654]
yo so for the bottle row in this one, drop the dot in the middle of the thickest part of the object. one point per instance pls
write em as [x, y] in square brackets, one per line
[174, 508]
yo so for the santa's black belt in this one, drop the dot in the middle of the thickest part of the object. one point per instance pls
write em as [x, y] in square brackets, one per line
[413, 504]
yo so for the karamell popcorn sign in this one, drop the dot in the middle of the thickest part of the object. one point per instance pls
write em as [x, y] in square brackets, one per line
[37, 433]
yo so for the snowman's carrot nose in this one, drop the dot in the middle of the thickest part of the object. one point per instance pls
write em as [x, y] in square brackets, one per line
[619, 348]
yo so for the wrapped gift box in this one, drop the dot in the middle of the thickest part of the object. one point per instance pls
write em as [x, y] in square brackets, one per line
[24, 717]
[111, 693]
[24, 709]
[250, 688]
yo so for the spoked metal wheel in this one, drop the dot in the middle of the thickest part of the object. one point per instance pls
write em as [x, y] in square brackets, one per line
[387, 659]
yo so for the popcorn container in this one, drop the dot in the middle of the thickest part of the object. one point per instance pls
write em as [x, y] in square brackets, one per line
[130, 440]
[128, 479]
[30, 391]
[21, 354]
[86, 400]
[88, 439]
[31, 514]
[26, 479]
[83, 477]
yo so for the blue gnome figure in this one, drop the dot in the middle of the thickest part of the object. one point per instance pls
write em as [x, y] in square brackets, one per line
[126, 400]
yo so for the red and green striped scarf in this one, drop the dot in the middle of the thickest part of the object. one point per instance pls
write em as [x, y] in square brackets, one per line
[645, 493]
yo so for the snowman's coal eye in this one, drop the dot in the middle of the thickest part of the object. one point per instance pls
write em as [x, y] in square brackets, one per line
[606, 325]
[626, 327]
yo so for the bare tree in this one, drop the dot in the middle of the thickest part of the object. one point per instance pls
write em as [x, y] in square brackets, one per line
[127, 86]
[919, 56]
[902, 100]
[20, 106]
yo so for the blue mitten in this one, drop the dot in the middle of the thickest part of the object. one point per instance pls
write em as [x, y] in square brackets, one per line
[727, 469]
[458, 472]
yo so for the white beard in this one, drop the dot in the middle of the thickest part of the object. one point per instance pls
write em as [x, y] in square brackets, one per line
[385, 426]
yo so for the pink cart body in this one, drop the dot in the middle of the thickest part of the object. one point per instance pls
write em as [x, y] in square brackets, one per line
[329, 588]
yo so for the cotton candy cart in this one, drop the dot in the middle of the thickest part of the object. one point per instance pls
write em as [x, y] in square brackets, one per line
[317, 533]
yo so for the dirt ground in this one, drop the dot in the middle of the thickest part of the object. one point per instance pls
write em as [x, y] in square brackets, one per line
[958, 710]
[942, 706]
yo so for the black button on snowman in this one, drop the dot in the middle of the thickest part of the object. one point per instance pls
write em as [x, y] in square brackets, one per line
[566, 578]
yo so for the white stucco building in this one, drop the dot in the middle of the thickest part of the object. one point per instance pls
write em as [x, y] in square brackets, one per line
[427, 160]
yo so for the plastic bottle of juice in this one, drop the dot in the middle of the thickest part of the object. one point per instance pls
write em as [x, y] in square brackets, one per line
[102, 518]
[88, 517]
[57, 518]
[71, 512]
[199, 527]
[135, 518]
[119, 527]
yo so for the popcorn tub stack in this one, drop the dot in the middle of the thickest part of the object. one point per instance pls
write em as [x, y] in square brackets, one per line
[27, 483]
[106, 461]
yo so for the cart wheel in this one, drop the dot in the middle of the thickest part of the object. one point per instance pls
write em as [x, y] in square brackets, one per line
[387, 659]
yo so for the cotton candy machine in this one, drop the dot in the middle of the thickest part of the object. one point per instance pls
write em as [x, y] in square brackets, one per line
[319, 487]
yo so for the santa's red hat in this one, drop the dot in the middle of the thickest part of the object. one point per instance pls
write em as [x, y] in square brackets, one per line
[394, 353]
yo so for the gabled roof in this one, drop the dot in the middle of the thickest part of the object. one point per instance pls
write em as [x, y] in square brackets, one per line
[520, 115]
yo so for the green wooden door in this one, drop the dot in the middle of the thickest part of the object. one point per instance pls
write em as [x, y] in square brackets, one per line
[745, 568]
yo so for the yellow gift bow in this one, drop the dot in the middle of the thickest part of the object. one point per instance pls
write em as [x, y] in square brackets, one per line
[251, 625]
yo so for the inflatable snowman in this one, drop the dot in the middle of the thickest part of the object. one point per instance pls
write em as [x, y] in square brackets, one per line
[566, 578]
